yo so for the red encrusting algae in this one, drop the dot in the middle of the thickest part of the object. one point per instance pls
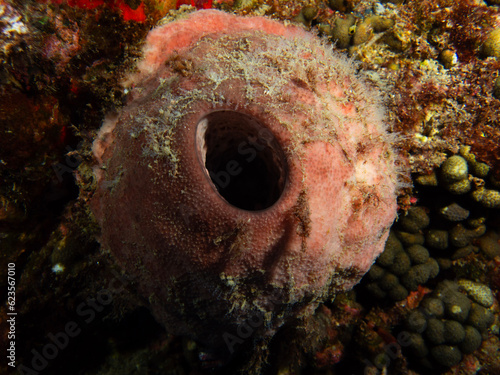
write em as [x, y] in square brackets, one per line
[127, 12]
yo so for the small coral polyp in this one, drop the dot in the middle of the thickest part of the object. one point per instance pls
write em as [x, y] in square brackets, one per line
[250, 176]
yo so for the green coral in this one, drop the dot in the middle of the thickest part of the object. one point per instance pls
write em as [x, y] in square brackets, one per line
[435, 331]
[416, 321]
[491, 46]
[437, 239]
[432, 306]
[418, 254]
[454, 212]
[445, 326]
[401, 264]
[454, 169]
[480, 293]
[472, 340]
[480, 317]
[415, 220]
[446, 355]
[489, 198]
[454, 332]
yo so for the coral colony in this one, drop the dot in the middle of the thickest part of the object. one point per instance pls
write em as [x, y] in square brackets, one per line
[249, 178]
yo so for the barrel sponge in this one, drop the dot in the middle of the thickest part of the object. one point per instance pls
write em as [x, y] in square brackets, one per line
[251, 173]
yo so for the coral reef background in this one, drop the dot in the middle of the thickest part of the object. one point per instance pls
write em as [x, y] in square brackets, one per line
[437, 64]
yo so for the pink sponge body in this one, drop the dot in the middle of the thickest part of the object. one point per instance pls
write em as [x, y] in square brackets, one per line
[210, 87]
